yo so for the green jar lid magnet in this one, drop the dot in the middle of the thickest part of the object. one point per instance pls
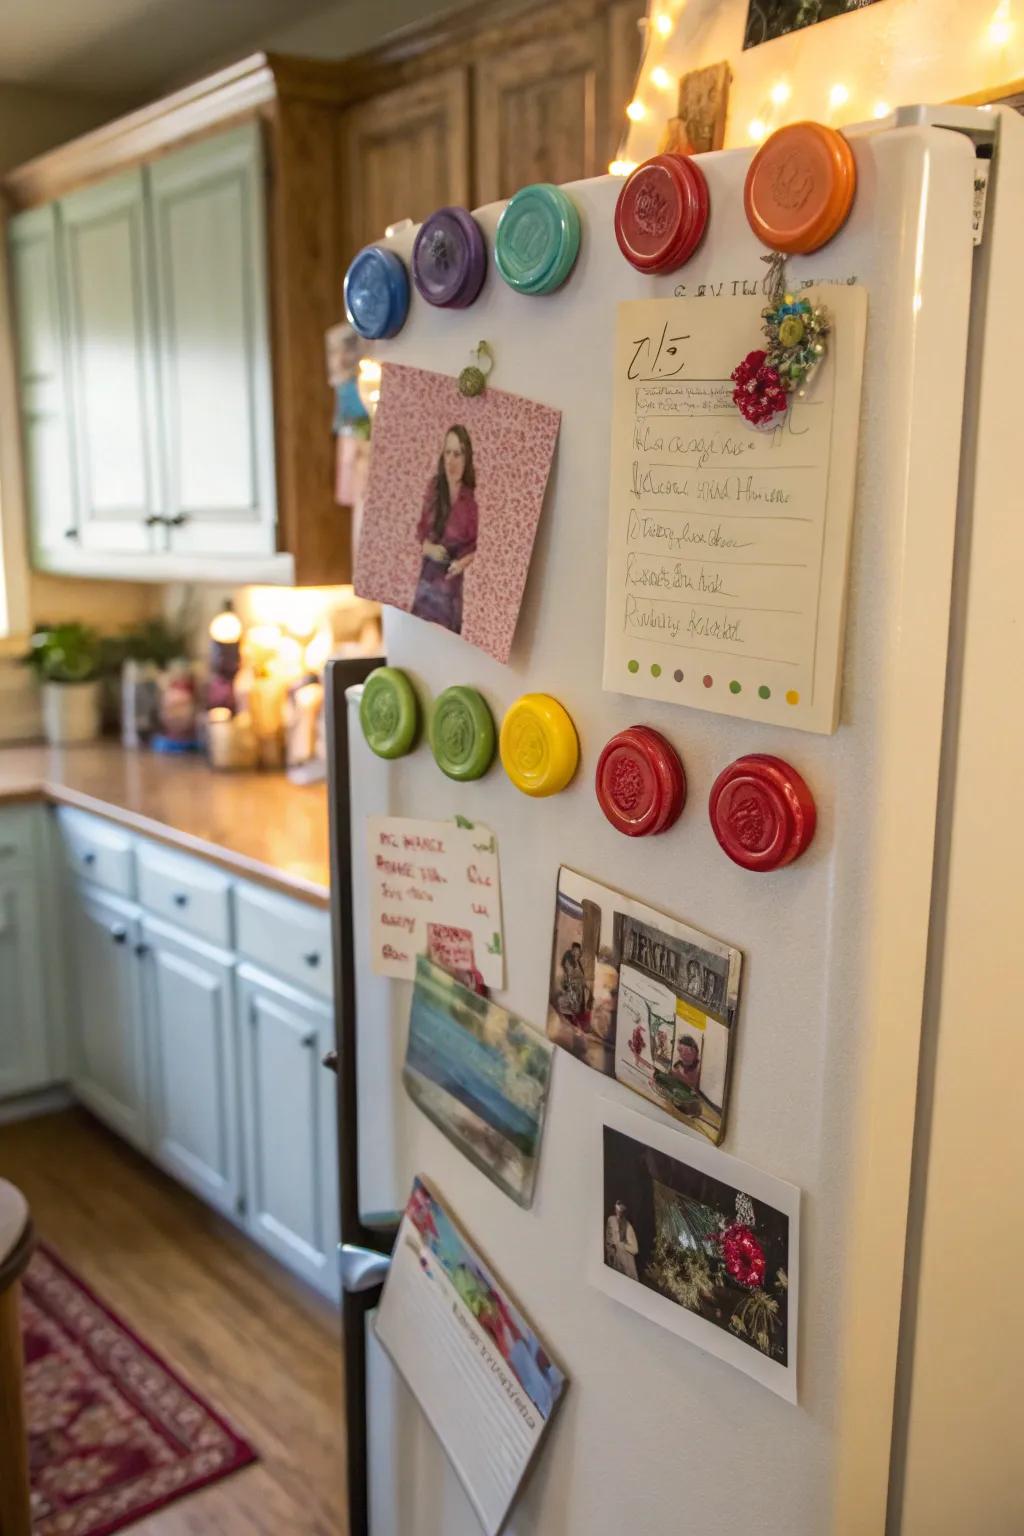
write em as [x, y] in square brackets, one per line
[537, 239]
[389, 712]
[462, 735]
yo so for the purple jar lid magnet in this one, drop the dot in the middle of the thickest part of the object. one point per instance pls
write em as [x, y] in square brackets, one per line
[449, 259]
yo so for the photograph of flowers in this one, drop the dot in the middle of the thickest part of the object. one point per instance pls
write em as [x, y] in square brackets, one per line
[700, 1243]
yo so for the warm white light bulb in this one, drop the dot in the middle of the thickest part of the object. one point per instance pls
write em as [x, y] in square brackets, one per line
[663, 24]
[756, 130]
[622, 167]
[662, 79]
[1000, 28]
[781, 92]
[636, 111]
[838, 96]
[881, 109]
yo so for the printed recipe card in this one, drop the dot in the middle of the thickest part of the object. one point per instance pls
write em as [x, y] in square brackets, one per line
[728, 544]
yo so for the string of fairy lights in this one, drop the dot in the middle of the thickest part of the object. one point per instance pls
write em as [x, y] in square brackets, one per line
[654, 92]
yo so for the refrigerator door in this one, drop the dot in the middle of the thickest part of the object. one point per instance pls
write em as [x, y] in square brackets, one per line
[656, 1435]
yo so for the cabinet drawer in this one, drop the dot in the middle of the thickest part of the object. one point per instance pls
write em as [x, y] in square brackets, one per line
[16, 835]
[98, 851]
[195, 895]
[286, 936]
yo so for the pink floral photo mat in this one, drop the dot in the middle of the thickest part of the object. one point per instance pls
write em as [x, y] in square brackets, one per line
[511, 443]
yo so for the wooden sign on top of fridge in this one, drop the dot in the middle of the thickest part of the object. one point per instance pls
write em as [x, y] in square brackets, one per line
[728, 544]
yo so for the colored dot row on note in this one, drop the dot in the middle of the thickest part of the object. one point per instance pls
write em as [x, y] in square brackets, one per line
[792, 695]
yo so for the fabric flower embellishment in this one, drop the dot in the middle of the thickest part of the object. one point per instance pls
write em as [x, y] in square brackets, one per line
[759, 394]
[743, 1256]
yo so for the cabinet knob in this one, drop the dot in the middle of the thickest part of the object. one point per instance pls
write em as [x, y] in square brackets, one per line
[119, 934]
[178, 520]
[330, 1061]
[142, 949]
[309, 1041]
[180, 899]
[155, 519]
[89, 857]
[71, 533]
[312, 957]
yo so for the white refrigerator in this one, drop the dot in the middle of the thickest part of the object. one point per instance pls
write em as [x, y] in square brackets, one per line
[898, 925]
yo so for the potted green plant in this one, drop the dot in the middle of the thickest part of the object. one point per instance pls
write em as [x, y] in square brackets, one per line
[68, 661]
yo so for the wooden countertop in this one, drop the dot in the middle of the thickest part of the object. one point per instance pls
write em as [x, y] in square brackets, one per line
[257, 824]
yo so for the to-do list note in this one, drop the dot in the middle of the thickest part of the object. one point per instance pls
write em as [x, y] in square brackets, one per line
[434, 890]
[728, 545]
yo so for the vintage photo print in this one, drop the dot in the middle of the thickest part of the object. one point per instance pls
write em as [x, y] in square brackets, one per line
[699, 1242]
[481, 1074]
[641, 997]
[453, 499]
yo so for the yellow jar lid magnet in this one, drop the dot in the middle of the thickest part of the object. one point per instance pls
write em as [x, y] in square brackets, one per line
[539, 749]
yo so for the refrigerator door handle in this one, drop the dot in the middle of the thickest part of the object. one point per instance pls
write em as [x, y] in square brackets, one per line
[361, 1269]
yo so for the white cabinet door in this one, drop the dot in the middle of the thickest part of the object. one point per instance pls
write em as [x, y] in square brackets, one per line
[107, 1012]
[289, 1112]
[24, 1058]
[209, 234]
[42, 381]
[112, 354]
[195, 1127]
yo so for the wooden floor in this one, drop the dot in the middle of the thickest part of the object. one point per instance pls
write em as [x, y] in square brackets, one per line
[242, 1332]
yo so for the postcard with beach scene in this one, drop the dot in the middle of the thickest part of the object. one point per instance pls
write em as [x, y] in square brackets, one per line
[644, 998]
[481, 1074]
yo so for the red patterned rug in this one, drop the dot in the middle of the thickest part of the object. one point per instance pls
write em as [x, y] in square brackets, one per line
[114, 1433]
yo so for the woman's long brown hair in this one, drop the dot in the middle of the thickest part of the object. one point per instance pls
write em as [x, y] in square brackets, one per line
[442, 500]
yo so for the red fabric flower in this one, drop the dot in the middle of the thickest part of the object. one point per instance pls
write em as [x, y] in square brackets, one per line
[759, 394]
[743, 1255]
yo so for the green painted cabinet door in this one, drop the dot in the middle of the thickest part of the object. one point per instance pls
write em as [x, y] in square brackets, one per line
[194, 1076]
[108, 1026]
[210, 243]
[24, 1057]
[39, 325]
[289, 1113]
[111, 352]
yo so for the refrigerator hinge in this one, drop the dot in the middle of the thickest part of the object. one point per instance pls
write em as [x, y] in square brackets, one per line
[361, 1269]
[978, 124]
[982, 170]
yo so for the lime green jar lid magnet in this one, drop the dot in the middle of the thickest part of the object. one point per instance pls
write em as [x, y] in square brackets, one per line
[537, 239]
[462, 734]
[389, 712]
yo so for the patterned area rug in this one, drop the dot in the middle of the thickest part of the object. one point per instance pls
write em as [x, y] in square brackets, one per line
[114, 1433]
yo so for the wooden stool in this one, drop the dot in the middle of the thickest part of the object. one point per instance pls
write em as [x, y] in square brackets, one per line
[16, 1244]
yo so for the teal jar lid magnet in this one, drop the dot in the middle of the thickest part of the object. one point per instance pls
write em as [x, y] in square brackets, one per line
[537, 239]
[462, 734]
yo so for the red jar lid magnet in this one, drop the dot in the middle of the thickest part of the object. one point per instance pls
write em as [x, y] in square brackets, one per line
[640, 783]
[661, 213]
[762, 812]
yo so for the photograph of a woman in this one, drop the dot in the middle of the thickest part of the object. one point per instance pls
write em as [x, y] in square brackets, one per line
[454, 493]
[620, 1244]
[447, 533]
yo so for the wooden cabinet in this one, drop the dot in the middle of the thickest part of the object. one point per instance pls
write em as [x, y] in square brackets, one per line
[194, 1081]
[406, 152]
[537, 114]
[111, 343]
[216, 418]
[109, 1055]
[43, 382]
[289, 1111]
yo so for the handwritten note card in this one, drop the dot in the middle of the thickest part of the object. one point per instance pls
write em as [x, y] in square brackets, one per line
[727, 545]
[434, 888]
